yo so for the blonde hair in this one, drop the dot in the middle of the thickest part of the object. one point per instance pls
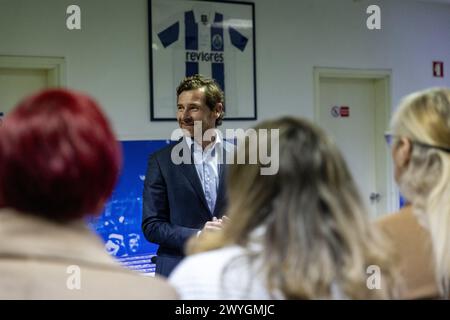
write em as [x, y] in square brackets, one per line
[317, 232]
[424, 118]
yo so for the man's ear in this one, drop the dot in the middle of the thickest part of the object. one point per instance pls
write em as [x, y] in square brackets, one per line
[403, 150]
[218, 109]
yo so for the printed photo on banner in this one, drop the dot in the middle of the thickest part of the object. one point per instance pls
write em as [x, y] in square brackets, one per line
[119, 224]
[212, 38]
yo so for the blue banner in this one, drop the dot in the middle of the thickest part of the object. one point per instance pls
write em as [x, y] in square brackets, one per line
[119, 225]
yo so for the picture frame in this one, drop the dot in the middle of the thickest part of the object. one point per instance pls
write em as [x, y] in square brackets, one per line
[212, 38]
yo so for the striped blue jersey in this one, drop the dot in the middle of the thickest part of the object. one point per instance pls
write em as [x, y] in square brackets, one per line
[201, 40]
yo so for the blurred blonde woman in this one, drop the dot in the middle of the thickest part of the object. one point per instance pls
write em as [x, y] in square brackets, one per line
[420, 132]
[299, 234]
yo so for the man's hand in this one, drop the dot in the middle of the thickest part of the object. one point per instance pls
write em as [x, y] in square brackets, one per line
[214, 225]
[225, 220]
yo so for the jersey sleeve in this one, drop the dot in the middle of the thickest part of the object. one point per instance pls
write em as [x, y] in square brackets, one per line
[170, 34]
[237, 39]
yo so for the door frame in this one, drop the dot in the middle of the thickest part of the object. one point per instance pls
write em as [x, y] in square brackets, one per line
[383, 106]
[55, 66]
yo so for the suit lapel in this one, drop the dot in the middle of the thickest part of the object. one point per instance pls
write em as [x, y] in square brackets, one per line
[191, 175]
[220, 191]
[222, 175]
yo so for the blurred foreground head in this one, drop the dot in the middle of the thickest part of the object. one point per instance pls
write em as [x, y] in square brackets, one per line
[317, 234]
[59, 157]
[420, 131]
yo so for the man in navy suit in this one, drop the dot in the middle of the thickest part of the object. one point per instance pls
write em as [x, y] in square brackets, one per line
[184, 199]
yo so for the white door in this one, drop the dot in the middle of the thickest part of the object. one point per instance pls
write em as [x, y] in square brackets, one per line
[17, 83]
[348, 112]
[21, 76]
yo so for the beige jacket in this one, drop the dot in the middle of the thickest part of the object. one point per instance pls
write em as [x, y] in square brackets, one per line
[412, 246]
[36, 256]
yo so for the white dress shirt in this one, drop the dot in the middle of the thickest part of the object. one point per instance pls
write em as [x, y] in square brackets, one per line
[207, 166]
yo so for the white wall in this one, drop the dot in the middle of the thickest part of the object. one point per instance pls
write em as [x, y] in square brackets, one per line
[108, 58]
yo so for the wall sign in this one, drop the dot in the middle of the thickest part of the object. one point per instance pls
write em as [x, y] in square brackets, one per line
[340, 111]
[438, 69]
[344, 111]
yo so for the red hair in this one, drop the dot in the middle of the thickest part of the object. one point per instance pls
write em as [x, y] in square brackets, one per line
[58, 156]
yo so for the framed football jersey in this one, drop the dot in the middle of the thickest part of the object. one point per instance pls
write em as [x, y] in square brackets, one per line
[212, 38]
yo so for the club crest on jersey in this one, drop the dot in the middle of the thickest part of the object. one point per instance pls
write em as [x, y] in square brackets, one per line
[217, 42]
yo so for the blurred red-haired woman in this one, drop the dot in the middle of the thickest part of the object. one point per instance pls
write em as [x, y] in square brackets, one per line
[59, 162]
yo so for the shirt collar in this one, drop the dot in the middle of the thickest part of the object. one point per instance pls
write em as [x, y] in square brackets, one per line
[218, 141]
[199, 11]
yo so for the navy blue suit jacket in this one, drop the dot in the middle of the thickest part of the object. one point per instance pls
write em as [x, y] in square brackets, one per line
[174, 206]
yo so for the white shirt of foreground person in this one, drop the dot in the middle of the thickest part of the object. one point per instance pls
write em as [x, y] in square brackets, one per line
[226, 274]
[222, 274]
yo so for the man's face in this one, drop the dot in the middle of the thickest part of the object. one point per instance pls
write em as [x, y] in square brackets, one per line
[192, 107]
[134, 244]
[115, 241]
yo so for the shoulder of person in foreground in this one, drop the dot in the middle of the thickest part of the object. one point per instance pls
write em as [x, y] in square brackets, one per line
[411, 244]
[153, 288]
[115, 283]
[394, 217]
[400, 224]
[123, 284]
[198, 276]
